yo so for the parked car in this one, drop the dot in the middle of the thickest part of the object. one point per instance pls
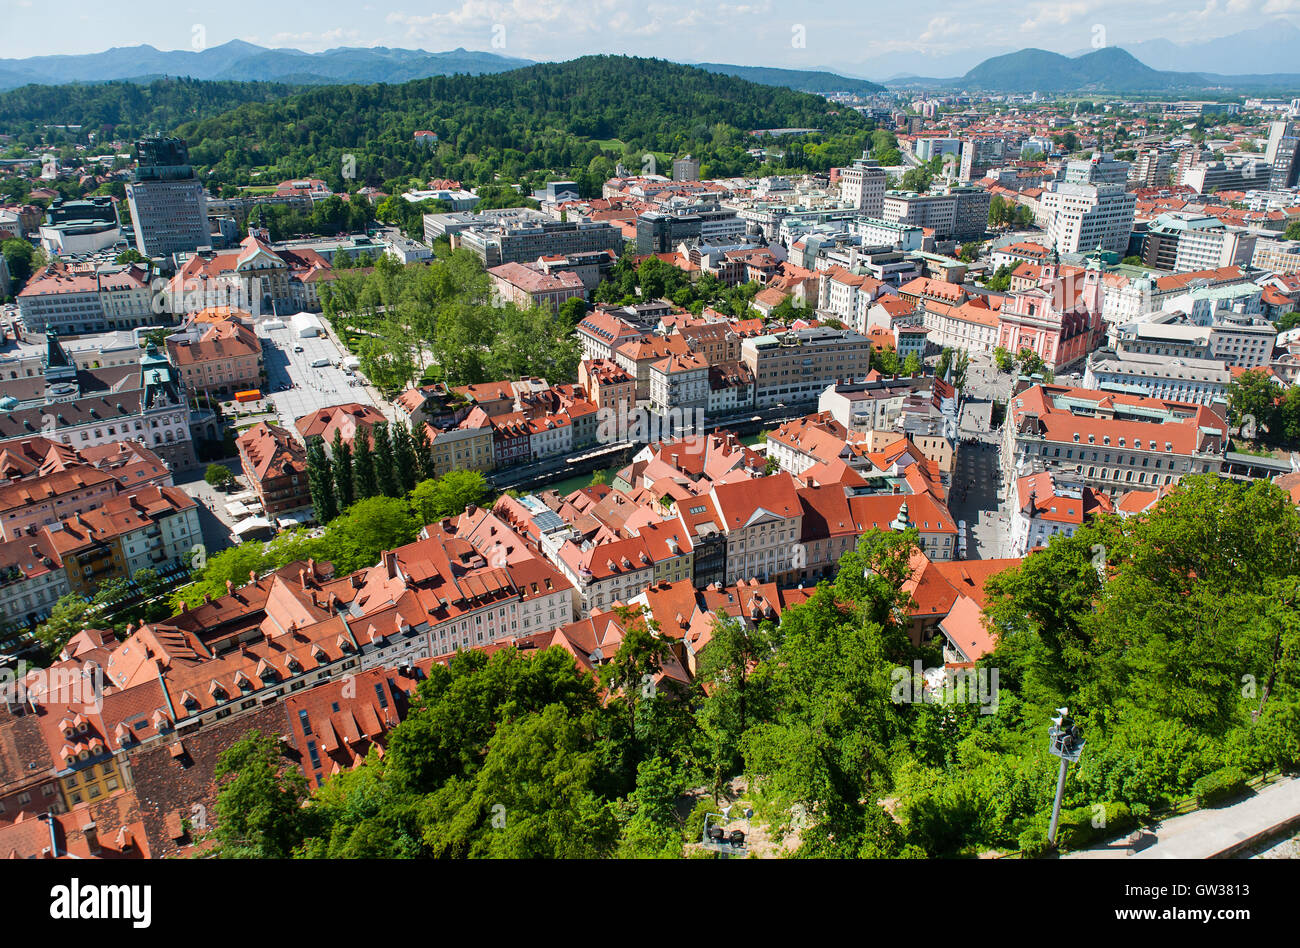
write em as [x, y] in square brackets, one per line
[297, 349]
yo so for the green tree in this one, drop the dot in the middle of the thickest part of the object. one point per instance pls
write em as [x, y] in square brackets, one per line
[259, 812]
[917, 179]
[534, 797]
[371, 526]
[234, 564]
[319, 481]
[652, 828]
[70, 615]
[423, 451]
[1253, 404]
[341, 472]
[953, 365]
[731, 706]
[404, 458]
[365, 479]
[448, 496]
[219, 476]
[148, 582]
[1000, 281]
[631, 673]
[21, 258]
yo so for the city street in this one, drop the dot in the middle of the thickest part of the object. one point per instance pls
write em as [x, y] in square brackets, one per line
[976, 499]
[984, 381]
[213, 520]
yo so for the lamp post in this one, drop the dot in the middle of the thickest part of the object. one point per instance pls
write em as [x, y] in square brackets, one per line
[716, 837]
[1066, 743]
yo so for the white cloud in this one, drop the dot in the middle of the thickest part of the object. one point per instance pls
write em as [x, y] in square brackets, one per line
[310, 42]
[939, 27]
[1055, 14]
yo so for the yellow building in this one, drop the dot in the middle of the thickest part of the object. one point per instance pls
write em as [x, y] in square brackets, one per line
[461, 449]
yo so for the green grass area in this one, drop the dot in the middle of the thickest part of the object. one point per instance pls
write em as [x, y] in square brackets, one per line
[613, 144]
[1258, 450]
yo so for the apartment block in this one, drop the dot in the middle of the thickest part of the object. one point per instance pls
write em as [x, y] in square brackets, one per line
[797, 365]
[1108, 441]
[1079, 218]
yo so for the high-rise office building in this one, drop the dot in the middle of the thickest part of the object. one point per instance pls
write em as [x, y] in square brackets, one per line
[1152, 167]
[169, 208]
[1099, 169]
[955, 213]
[1283, 154]
[686, 169]
[862, 185]
[980, 153]
[1081, 217]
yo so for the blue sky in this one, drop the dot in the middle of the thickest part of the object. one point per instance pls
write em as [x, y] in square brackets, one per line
[837, 34]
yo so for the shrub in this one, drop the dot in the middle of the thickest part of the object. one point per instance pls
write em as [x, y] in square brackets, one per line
[1033, 841]
[1221, 785]
[695, 822]
[1076, 829]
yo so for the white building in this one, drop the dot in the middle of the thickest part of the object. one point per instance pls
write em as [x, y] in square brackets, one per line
[1081, 217]
[967, 327]
[1045, 509]
[862, 185]
[1199, 381]
[306, 326]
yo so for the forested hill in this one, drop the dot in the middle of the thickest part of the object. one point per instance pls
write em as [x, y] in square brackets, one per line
[821, 83]
[552, 116]
[127, 109]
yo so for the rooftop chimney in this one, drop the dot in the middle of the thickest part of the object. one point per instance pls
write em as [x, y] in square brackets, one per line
[91, 833]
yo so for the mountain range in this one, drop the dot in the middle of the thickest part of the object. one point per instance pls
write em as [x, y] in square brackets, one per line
[1110, 69]
[1264, 49]
[1268, 48]
[1107, 70]
[241, 61]
[819, 83]
[238, 60]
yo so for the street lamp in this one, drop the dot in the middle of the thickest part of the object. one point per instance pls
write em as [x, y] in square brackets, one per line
[1066, 742]
[717, 837]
